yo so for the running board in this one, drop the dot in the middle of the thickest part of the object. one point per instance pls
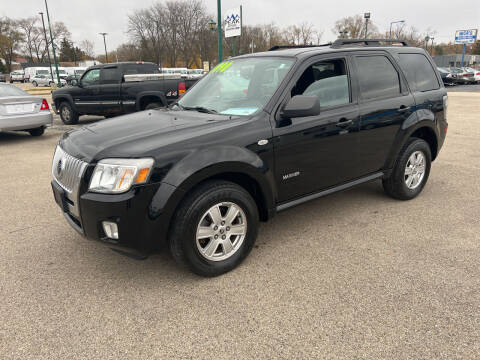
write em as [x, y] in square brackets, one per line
[332, 190]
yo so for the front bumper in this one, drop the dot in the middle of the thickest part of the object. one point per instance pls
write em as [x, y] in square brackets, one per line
[25, 122]
[131, 211]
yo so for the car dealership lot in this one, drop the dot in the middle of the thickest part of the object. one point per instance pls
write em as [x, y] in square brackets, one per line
[355, 274]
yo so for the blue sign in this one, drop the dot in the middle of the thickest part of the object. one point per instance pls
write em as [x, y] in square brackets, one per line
[465, 36]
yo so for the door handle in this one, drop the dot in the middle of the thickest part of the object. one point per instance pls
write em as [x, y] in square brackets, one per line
[343, 122]
[403, 108]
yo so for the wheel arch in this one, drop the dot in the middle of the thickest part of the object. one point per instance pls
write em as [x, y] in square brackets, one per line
[146, 97]
[57, 100]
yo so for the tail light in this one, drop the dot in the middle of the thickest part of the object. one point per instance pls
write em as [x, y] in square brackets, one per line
[477, 73]
[181, 89]
[140, 62]
[44, 105]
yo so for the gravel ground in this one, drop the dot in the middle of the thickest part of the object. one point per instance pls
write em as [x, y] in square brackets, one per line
[351, 275]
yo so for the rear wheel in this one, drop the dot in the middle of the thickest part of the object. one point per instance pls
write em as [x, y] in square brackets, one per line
[411, 170]
[154, 105]
[214, 229]
[37, 132]
[67, 114]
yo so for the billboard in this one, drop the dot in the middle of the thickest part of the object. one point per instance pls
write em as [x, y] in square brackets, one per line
[465, 36]
[233, 22]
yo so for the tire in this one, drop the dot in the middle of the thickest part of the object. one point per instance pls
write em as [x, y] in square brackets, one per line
[190, 251]
[68, 115]
[37, 132]
[417, 156]
[154, 105]
[34, 83]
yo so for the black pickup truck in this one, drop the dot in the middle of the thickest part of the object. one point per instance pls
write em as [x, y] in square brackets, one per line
[120, 88]
[259, 134]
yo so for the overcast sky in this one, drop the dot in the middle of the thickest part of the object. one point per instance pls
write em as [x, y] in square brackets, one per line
[86, 18]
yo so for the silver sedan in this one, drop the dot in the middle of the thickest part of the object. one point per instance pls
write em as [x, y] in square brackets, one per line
[21, 111]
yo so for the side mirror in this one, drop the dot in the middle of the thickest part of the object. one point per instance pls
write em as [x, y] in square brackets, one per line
[301, 106]
[74, 82]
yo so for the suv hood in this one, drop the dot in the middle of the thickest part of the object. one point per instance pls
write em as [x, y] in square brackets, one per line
[140, 134]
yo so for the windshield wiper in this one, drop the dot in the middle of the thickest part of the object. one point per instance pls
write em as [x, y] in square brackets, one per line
[199, 109]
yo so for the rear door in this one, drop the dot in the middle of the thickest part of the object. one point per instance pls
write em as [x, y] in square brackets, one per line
[384, 104]
[109, 90]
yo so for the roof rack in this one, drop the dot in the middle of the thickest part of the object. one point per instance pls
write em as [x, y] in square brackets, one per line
[368, 42]
[281, 47]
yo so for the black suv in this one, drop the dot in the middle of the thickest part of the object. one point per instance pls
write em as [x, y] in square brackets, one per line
[259, 134]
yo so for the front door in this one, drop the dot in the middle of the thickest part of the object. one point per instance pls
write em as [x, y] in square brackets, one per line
[87, 98]
[317, 152]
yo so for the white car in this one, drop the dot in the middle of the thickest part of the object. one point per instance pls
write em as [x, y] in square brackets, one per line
[17, 75]
[44, 80]
[476, 73]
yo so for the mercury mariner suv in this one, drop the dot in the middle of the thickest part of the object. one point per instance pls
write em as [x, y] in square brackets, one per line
[259, 134]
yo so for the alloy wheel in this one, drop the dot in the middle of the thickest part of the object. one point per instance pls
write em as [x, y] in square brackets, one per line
[415, 170]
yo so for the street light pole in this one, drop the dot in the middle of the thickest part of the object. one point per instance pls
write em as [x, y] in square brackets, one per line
[46, 45]
[105, 45]
[219, 30]
[394, 22]
[53, 46]
[427, 38]
[366, 17]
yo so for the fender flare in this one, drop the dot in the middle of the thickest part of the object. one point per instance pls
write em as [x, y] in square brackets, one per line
[417, 120]
[159, 94]
[199, 166]
[57, 100]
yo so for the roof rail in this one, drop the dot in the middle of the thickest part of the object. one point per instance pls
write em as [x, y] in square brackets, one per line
[281, 47]
[368, 42]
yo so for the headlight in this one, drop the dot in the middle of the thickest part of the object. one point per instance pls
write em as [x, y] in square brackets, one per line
[118, 175]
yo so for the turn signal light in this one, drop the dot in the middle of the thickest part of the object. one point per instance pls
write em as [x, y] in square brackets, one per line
[44, 105]
[142, 175]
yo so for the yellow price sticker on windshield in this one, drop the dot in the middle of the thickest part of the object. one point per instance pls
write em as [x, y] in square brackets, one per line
[220, 68]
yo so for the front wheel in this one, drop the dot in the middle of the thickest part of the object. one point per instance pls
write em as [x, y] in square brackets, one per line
[67, 114]
[34, 83]
[411, 170]
[214, 229]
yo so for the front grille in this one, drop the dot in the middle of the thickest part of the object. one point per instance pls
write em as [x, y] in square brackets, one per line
[67, 170]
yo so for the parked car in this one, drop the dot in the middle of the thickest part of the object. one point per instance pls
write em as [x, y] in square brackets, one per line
[74, 73]
[447, 77]
[195, 73]
[119, 88]
[462, 76]
[3, 77]
[45, 80]
[31, 72]
[476, 74]
[17, 75]
[62, 73]
[302, 123]
[21, 111]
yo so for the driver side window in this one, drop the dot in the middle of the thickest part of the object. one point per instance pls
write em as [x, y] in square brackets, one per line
[91, 78]
[328, 80]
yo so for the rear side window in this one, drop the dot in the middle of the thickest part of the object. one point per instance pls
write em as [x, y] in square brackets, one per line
[377, 77]
[419, 72]
[110, 76]
[132, 69]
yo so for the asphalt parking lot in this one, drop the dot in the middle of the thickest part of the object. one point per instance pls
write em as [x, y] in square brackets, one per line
[352, 275]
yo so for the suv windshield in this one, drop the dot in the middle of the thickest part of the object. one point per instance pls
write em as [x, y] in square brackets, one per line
[239, 86]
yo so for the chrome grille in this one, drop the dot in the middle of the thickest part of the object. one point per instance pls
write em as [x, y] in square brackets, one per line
[67, 170]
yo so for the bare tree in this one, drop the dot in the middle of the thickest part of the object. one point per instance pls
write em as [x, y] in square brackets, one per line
[355, 27]
[87, 47]
[10, 40]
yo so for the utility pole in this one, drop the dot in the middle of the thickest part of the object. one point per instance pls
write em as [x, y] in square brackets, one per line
[219, 30]
[367, 17]
[46, 45]
[59, 84]
[105, 44]
[427, 38]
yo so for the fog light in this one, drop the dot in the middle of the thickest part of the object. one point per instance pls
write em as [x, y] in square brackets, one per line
[110, 229]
